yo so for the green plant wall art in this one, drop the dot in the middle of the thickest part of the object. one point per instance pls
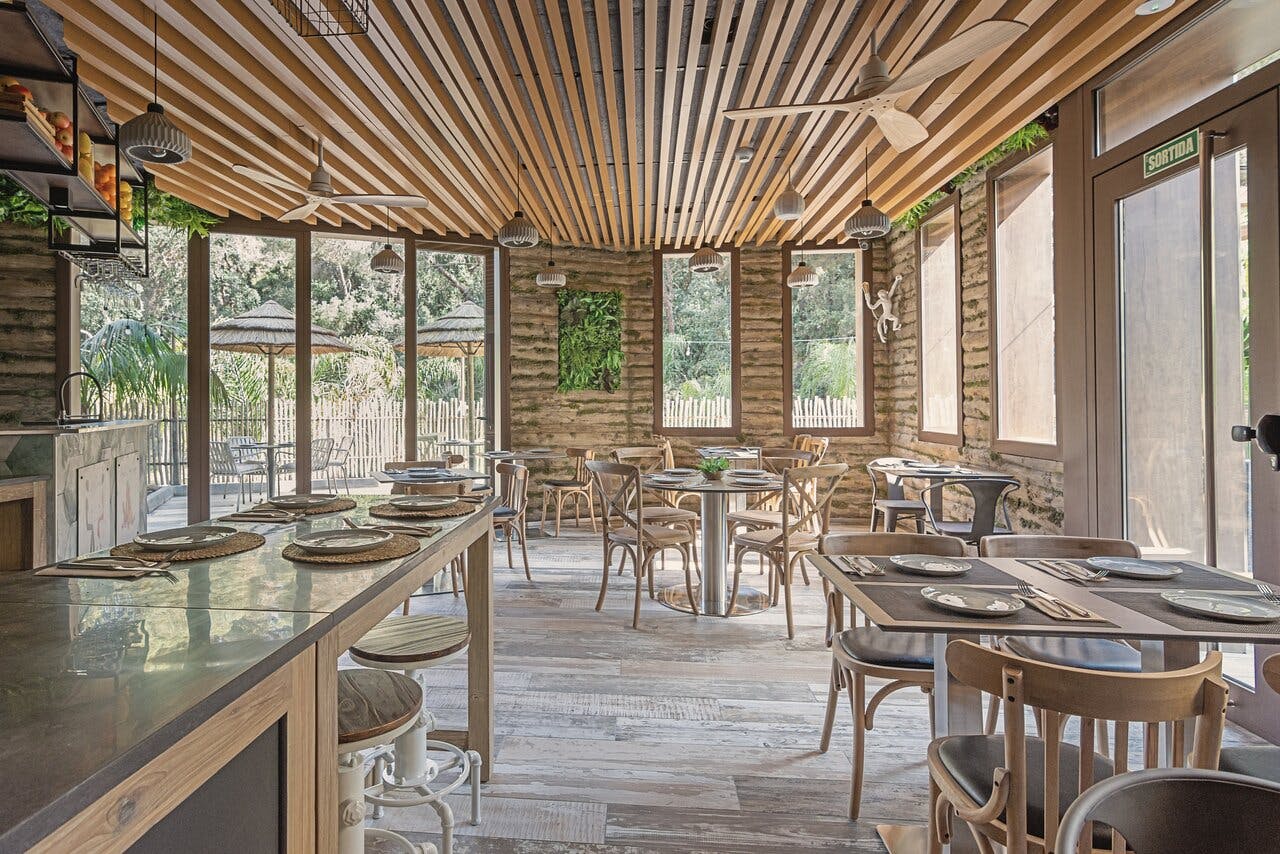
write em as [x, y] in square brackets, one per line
[590, 340]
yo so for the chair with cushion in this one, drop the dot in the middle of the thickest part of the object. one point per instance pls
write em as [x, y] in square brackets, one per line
[806, 506]
[905, 659]
[816, 445]
[627, 527]
[1093, 653]
[509, 517]
[988, 496]
[659, 507]
[1257, 760]
[1012, 789]
[894, 503]
[577, 488]
[763, 510]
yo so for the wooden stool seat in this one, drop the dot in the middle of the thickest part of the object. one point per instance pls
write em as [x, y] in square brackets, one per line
[419, 638]
[373, 702]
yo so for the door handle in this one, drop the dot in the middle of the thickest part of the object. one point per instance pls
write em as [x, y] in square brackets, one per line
[1266, 434]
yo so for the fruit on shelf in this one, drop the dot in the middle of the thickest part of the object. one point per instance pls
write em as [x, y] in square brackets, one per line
[61, 121]
[124, 193]
[104, 181]
[84, 157]
[16, 88]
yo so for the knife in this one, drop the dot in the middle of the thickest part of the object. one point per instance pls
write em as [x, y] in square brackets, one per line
[1078, 610]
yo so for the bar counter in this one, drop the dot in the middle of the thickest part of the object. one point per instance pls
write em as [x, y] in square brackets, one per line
[123, 699]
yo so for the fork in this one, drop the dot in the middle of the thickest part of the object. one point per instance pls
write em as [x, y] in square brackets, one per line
[1029, 592]
[1268, 592]
[1077, 571]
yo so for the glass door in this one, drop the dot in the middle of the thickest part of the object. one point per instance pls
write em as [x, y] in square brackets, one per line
[1188, 324]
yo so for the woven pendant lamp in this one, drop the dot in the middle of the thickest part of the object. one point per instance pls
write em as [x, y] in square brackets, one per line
[790, 204]
[803, 276]
[518, 232]
[868, 222]
[151, 137]
[550, 276]
[386, 259]
[705, 259]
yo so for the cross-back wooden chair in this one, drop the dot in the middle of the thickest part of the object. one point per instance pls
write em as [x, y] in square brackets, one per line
[816, 445]
[763, 509]
[806, 506]
[1093, 653]
[905, 659]
[577, 488]
[1257, 760]
[626, 527]
[1012, 789]
[659, 506]
[513, 489]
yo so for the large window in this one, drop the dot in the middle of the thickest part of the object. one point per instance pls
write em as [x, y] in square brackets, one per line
[825, 348]
[938, 255]
[1022, 304]
[696, 325]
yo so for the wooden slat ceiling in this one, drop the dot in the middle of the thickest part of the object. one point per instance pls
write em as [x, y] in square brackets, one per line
[616, 107]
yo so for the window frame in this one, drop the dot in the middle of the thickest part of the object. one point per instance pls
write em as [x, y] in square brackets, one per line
[1016, 447]
[866, 372]
[950, 203]
[735, 347]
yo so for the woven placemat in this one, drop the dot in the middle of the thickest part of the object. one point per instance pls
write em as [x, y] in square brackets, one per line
[334, 506]
[400, 545]
[240, 542]
[387, 511]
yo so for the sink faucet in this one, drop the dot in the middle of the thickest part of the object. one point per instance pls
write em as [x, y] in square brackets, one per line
[64, 406]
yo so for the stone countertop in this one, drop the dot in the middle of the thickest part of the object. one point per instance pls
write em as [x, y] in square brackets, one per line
[101, 676]
[66, 429]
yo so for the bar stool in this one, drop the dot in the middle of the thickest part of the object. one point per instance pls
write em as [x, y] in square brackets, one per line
[402, 772]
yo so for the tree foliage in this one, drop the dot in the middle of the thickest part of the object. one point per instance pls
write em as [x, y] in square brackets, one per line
[824, 327]
[696, 330]
[590, 339]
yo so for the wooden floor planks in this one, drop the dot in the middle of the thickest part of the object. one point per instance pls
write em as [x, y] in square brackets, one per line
[688, 735]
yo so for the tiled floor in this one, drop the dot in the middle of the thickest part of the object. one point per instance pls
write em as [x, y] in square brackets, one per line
[687, 735]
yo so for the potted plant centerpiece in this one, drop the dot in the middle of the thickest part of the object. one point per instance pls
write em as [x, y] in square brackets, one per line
[713, 468]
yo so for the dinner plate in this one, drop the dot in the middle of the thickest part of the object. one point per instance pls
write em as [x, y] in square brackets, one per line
[749, 473]
[661, 480]
[423, 502]
[441, 476]
[934, 469]
[538, 451]
[678, 472]
[1223, 606]
[972, 601]
[192, 537]
[1132, 567]
[753, 481]
[931, 565]
[341, 541]
[301, 502]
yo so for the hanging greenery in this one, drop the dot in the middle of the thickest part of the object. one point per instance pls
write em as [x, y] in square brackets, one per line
[20, 207]
[590, 340]
[1023, 139]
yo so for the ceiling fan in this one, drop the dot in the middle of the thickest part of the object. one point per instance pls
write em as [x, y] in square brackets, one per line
[320, 191]
[877, 93]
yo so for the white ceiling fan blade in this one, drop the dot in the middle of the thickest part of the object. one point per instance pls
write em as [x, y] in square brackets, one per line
[963, 48]
[902, 130]
[380, 201]
[848, 104]
[302, 211]
[266, 178]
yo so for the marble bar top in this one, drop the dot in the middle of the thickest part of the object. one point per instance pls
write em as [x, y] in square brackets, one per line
[101, 676]
[62, 429]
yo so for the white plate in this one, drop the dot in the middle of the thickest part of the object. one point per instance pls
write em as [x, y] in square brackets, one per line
[678, 472]
[1223, 606]
[750, 473]
[193, 537]
[301, 502]
[931, 565]
[753, 481]
[1132, 567]
[539, 451]
[972, 601]
[341, 541]
[423, 502]
[659, 480]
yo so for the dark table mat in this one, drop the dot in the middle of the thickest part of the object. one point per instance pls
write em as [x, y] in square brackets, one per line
[904, 602]
[1193, 577]
[1150, 604]
[982, 573]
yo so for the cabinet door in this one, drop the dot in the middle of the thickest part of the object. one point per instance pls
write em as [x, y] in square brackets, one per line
[95, 507]
[130, 497]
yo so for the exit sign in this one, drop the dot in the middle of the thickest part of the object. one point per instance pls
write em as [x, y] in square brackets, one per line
[1175, 151]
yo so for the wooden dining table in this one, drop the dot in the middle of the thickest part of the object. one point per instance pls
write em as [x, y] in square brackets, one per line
[1129, 609]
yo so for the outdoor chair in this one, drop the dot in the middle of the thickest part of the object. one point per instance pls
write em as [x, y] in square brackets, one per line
[989, 501]
[338, 464]
[895, 502]
[223, 463]
[626, 527]
[321, 451]
[1011, 789]
[244, 452]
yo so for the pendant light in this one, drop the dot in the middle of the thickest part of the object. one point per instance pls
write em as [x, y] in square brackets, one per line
[386, 259]
[803, 276]
[518, 232]
[151, 137]
[550, 276]
[705, 259]
[790, 204]
[868, 222]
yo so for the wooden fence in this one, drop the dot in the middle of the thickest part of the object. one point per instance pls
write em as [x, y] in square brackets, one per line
[807, 412]
[375, 426]
[825, 412]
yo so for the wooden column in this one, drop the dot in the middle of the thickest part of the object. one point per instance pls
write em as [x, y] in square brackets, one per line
[302, 360]
[410, 350]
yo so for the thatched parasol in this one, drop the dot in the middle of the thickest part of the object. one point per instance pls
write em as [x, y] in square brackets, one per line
[270, 329]
[458, 334]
